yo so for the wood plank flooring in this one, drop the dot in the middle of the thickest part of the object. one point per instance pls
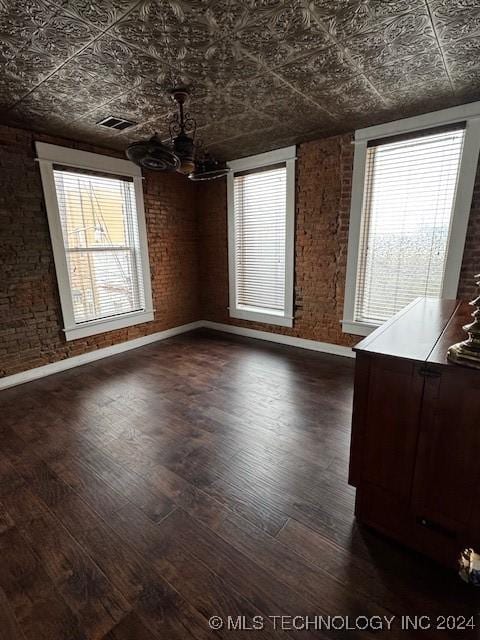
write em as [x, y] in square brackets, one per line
[204, 475]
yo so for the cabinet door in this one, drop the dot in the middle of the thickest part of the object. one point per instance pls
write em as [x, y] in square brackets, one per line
[447, 473]
[391, 425]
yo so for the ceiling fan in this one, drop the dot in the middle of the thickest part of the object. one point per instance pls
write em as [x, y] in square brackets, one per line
[181, 154]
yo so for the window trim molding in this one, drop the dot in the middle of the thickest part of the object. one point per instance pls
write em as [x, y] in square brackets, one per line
[468, 113]
[47, 156]
[287, 155]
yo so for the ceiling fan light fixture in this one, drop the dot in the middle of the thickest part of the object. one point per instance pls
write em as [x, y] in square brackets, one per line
[186, 167]
[181, 154]
[153, 155]
[208, 169]
[184, 149]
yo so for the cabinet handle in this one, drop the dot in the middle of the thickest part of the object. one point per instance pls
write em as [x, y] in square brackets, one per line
[438, 528]
[429, 373]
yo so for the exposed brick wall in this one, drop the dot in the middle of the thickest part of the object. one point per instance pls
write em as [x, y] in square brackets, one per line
[212, 229]
[323, 188]
[323, 193]
[471, 256]
[30, 314]
[187, 236]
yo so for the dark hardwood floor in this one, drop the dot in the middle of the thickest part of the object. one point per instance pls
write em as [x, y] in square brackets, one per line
[200, 476]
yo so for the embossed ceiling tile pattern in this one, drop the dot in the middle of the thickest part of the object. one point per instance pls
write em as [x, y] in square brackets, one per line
[143, 132]
[456, 19]
[42, 105]
[280, 32]
[414, 74]
[409, 101]
[62, 36]
[412, 103]
[45, 54]
[30, 66]
[344, 100]
[115, 62]
[35, 63]
[8, 50]
[188, 39]
[312, 76]
[168, 29]
[466, 76]
[262, 71]
[327, 12]
[250, 144]
[20, 67]
[222, 63]
[72, 92]
[20, 20]
[273, 97]
[406, 35]
[121, 139]
[103, 138]
[258, 92]
[150, 103]
[23, 116]
[463, 55]
[225, 17]
[214, 109]
[244, 124]
[299, 114]
[11, 89]
[139, 108]
[157, 86]
[467, 83]
[97, 13]
[350, 17]
[453, 8]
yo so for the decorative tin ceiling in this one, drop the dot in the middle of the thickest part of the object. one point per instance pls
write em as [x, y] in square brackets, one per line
[264, 73]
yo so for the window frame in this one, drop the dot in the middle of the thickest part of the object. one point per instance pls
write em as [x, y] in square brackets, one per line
[470, 115]
[286, 155]
[49, 155]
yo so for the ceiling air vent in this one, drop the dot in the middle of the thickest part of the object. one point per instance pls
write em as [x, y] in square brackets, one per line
[116, 123]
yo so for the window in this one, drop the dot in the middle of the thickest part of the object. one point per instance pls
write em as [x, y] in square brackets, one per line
[408, 205]
[261, 230]
[97, 224]
[409, 215]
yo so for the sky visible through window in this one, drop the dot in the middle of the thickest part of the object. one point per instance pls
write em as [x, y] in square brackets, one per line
[407, 211]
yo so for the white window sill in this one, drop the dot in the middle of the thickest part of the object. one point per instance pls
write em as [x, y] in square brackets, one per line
[107, 324]
[358, 328]
[261, 315]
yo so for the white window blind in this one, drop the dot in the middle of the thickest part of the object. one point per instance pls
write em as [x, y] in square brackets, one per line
[260, 204]
[407, 211]
[99, 223]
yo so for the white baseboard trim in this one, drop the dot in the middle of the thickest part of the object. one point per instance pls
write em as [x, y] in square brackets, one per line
[91, 356]
[98, 354]
[302, 343]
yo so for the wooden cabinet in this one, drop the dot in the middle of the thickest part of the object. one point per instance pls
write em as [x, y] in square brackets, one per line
[415, 451]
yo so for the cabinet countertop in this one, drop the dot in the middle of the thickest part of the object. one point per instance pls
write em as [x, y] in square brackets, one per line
[421, 332]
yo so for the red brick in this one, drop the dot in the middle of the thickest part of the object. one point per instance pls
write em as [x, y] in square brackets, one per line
[187, 236]
[323, 193]
[323, 184]
[31, 322]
